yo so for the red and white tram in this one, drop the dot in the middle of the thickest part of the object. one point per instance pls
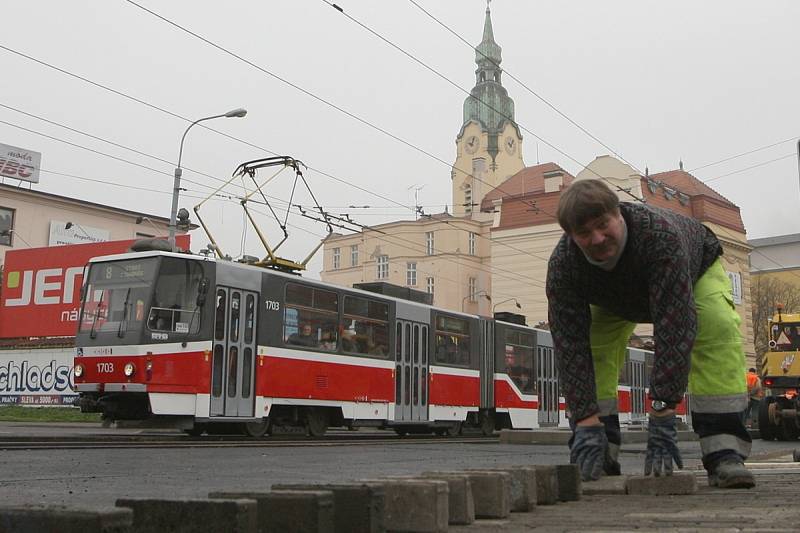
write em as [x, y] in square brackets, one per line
[190, 342]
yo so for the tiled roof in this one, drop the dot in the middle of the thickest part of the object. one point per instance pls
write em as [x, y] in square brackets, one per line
[529, 180]
[685, 182]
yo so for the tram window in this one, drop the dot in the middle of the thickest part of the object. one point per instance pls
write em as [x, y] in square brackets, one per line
[247, 364]
[416, 343]
[398, 388]
[219, 317]
[249, 318]
[424, 383]
[310, 317]
[424, 345]
[174, 306]
[408, 385]
[118, 296]
[365, 327]
[452, 341]
[519, 360]
[416, 386]
[216, 378]
[408, 343]
[233, 364]
[399, 342]
[233, 332]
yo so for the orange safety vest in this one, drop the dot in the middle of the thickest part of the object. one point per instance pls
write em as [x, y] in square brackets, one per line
[753, 381]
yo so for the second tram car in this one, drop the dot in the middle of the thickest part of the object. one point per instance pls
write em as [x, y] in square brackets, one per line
[192, 342]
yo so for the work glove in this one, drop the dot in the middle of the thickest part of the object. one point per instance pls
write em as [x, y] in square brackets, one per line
[611, 465]
[662, 446]
[589, 450]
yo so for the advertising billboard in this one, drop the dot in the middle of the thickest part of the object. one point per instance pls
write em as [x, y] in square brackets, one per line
[19, 163]
[60, 234]
[37, 377]
[41, 287]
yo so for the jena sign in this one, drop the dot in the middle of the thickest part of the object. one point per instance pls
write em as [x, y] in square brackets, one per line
[19, 163]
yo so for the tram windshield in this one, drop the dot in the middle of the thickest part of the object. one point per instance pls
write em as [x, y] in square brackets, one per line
[151, 297]
[786, 336]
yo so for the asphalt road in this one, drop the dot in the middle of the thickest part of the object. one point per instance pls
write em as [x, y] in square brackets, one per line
[94, 478]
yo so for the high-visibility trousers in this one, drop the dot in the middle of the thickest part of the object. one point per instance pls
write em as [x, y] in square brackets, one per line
[717, 377]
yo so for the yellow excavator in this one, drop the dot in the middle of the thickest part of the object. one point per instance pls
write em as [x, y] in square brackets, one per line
[780, 375]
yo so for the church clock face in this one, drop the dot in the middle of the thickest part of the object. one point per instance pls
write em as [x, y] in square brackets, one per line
[471, 144]
[510, 145]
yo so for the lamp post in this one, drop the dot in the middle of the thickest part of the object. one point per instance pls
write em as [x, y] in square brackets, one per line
[176, 187]
[504, 301]
[475, 295]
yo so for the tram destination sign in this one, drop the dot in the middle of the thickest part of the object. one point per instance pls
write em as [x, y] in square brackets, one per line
[19, 163]
[41, 287]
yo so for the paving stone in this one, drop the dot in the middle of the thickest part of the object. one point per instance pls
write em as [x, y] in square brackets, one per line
[569, 483]
[460, 499]
[152, 515]
[546, 485]
[289, 511]
[605, 485]
[414, 504]
[523, 486]
[491, 491]
[676, 484]
[357, 507]
[57, 518]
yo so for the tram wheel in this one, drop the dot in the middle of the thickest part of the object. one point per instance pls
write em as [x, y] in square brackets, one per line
[316, 422]
[256, 429]
[196, 431]
[401, 431]
[766, 428]
[486, 423]
[789, 429]
[450, 430]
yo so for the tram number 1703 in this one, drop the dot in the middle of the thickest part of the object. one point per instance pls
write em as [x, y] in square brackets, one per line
[105, 368]
[273, 305]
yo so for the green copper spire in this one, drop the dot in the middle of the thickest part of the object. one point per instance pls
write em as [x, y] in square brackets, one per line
[489, 103]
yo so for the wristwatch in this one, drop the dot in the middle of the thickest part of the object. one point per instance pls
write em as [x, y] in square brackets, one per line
[661, 405]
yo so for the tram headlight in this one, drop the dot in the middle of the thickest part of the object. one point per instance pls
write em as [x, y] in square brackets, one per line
[78, 371]
[129, 369]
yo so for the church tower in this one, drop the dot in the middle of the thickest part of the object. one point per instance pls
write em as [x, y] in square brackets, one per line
[489, 145]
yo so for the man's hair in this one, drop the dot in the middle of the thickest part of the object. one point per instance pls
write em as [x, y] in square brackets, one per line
[584, 200]
[753, 370]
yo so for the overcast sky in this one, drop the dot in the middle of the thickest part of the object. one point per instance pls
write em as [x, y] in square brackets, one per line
[656, 81]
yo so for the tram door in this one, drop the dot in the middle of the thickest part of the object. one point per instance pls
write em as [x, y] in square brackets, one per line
[233, 362]
[547, 381]
[411, 371]
[636, 371]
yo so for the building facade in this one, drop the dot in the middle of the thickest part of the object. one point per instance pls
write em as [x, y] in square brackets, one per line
[31, 218]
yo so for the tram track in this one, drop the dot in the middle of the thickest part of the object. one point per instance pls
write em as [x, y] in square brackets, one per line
[177, 441]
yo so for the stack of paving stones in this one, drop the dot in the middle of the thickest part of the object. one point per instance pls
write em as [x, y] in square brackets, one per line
[430, 502]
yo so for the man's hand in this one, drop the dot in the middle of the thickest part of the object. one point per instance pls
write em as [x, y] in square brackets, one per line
[589, 450]
[662, 446]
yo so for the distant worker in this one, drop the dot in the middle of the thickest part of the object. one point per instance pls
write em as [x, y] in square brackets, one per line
[754, 393]
[619, 264]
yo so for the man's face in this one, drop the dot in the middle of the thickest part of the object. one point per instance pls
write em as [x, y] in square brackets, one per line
[306, 330]
[601, 237]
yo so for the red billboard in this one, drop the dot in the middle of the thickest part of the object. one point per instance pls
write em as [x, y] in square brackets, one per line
[41, 287]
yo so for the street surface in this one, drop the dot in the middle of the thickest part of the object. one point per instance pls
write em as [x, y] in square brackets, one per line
[97, 477]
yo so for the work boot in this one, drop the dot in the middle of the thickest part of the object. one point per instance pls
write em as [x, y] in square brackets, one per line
[730, 473]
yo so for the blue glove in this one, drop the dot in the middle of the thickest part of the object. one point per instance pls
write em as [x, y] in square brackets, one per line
[588, 451]
[662, 446]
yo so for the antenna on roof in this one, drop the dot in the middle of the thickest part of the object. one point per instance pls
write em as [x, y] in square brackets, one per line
[680, 164]
[646, 172]
[537, 152]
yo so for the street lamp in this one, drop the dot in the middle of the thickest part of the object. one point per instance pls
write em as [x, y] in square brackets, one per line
[474, 295]
[176, 187]
[504, 301]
